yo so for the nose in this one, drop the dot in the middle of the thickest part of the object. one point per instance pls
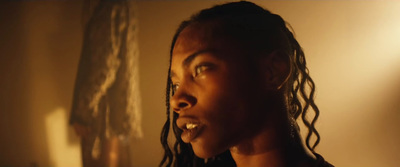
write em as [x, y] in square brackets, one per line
[182, 101]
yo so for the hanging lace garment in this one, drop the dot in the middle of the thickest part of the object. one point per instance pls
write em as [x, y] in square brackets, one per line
[106, 95]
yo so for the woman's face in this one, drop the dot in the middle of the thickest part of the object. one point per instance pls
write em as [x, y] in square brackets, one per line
[218, 95]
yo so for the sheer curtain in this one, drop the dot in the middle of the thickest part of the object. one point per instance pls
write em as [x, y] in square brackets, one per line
[106, 109]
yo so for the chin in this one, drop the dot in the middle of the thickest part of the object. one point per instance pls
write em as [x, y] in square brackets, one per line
[204, 152]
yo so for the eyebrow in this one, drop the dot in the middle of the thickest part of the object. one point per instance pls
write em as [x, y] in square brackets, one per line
[188, 60]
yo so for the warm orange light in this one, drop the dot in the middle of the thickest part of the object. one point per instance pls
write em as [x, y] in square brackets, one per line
[62, 154]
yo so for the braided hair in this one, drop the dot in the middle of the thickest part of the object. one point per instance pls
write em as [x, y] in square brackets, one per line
[259, 30]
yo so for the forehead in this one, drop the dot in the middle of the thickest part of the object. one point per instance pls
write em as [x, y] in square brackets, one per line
[204, 36]
[192, 38]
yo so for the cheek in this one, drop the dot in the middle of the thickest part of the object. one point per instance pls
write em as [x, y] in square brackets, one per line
[226, 112]
[226, 103]
[222, 117]
[222, 102]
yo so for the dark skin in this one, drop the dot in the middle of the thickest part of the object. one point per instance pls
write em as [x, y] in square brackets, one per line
[232, 102]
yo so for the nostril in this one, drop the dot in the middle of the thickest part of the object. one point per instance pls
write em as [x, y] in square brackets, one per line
[182, 105]
[182, 102]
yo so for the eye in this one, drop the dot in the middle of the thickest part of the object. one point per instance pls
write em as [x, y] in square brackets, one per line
[175, 87]
[201, 68]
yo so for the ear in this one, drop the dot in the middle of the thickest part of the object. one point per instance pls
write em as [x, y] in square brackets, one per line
[275, 70]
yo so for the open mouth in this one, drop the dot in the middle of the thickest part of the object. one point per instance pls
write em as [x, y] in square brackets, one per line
[190, 126]
[190, 132]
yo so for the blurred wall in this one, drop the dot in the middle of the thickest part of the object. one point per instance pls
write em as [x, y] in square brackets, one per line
[40, 46]
[352, 48]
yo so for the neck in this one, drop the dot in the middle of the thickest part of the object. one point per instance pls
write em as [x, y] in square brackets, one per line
[272, 147]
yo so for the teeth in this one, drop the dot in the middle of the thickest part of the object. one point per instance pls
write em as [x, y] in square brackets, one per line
[190, 126]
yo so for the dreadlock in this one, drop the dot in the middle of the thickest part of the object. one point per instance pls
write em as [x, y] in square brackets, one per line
[261, 30]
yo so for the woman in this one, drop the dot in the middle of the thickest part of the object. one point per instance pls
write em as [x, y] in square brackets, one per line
[237, 82]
